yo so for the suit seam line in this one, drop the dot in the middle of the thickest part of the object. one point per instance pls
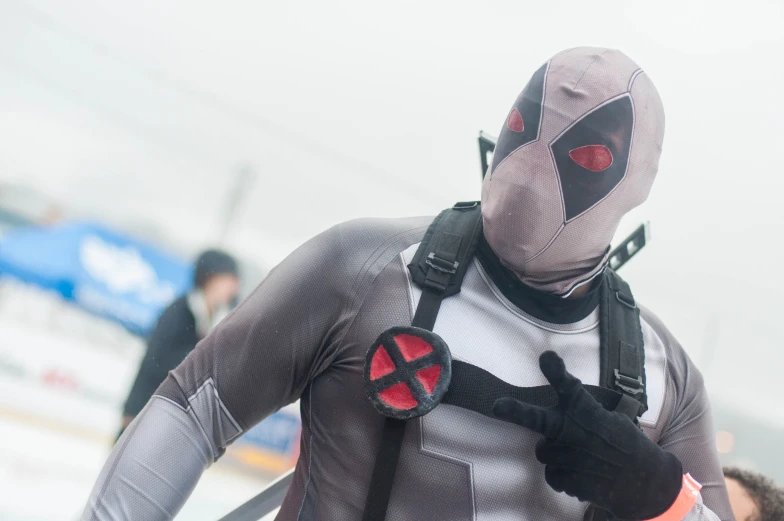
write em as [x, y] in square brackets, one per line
[374, 256]
[192, 413]
[667, 377]
[310, 450]
[204, 434]
[164, 398]
[116, 462]
[209, 381]
[409, 282]
[636, 74]
[510, 307]
[370, 283]
[587, 68]
[450, 459]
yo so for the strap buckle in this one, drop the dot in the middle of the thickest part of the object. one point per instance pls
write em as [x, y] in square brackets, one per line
[465, 205]
[439, 264]
[626, 300]
[631, 385]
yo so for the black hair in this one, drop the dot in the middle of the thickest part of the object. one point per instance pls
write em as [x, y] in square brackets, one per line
[213, 262]
[763, 491]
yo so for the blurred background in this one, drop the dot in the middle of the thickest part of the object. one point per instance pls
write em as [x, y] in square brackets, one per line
[134, 135]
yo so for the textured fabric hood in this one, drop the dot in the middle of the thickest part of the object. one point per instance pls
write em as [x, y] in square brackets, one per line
[578, 150]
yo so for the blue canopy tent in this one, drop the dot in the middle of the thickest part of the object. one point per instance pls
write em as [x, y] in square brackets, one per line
[131, 282]
[101, 270]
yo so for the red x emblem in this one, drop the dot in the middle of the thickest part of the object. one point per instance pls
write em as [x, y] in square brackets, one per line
[407, 372]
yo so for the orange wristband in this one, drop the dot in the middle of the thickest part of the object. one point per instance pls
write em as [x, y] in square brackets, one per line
[683, 503]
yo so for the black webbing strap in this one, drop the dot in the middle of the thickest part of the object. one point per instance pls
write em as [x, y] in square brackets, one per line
[394, 430]
[475, 389]
[427, 309]
[443, 257]
[622, 353]
[438, 267]
[384, 470]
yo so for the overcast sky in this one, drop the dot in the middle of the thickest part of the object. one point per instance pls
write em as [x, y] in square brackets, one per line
[143, 111]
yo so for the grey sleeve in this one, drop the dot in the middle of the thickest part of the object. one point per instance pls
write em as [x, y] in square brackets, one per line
[258, 359]
[702, 513]
[152, 469]
[689, 432]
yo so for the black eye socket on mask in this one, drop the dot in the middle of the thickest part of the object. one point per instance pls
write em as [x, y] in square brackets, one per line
[591, 157]
[522, 123]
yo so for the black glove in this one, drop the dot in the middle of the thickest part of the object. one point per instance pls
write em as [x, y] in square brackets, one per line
[593, 454]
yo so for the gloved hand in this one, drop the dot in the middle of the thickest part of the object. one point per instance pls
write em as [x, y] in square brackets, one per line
[593, 454]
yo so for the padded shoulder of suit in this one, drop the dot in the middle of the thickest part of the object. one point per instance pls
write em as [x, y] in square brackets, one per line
[370, 232]
[358, 244]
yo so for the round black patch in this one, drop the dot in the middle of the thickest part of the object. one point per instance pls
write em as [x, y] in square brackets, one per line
[407, 372]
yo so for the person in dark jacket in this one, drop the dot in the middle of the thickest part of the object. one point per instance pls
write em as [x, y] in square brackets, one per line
[182, 325]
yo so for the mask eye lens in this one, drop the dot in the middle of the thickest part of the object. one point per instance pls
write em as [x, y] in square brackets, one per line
[515, 121]
[592, 157]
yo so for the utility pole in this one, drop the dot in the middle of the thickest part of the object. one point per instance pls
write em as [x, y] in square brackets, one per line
[241, 184]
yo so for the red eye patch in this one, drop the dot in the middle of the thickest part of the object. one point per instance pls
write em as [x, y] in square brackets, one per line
[592, 157]
[515, 121]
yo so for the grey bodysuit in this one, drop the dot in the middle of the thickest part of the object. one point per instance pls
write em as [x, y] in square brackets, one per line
[303, 334]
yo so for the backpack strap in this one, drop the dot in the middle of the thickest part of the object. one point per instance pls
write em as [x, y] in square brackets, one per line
[438, 267]
[622, 356]
[622, 353]
[443, 256]
[477, 389]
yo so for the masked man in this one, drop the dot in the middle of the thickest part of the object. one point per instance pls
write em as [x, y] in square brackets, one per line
[578, 150]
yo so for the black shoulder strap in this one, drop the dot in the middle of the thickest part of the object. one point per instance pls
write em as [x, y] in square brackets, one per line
[443, 257]
[622, 356]
[622, 353]
[438, 267]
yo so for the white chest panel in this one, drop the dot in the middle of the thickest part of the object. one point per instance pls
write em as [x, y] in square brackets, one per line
[483, 328]
[489, 464]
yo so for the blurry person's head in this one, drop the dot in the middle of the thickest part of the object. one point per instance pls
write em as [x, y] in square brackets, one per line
[578, 150]
[753, 497]
[217, 276]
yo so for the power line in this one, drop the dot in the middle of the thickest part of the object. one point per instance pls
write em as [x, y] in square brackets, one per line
[249, 118]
